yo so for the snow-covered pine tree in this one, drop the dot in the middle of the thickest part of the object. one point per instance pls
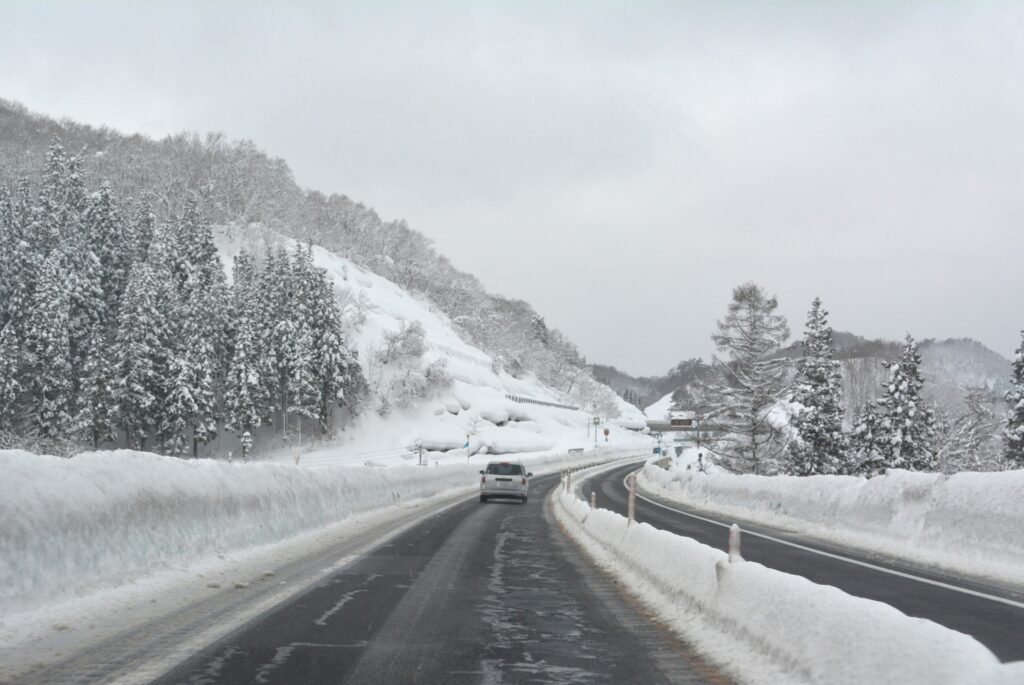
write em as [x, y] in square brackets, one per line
[140, 231]
[10, 375]
[1014, 430]
[865, 456]
[48, 363]
[139, 356]
[56, 214]
[279, 330]
[821, 445]
[907, 425]
[752, 381]
[104, 223]
[9, 238]
[198, 253]
[97, 407]
[246, 404]
[87, 305]
[301, 391]
[190, 411]
[339, 376]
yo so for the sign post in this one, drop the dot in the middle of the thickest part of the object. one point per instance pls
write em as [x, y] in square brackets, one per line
[597, 422]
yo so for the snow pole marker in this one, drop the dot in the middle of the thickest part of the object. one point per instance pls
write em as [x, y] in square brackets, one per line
[631, 509]
[734, 544]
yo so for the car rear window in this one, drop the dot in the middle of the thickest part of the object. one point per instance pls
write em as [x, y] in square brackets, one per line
[505, 469]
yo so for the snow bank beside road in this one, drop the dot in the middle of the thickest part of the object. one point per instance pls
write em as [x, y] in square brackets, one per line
[764, 626]
[72, 526]
[969, 523]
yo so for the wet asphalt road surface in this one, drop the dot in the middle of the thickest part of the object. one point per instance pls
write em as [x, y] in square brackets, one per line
[479, 593]
[998, 626]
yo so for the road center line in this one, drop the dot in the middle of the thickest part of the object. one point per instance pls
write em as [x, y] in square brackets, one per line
[865, 564]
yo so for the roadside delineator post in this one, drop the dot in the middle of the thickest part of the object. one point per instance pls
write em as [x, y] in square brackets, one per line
[734, 544]
[631, 510]
[593, 500]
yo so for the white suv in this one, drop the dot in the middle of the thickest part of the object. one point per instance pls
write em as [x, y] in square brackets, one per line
[504, 479]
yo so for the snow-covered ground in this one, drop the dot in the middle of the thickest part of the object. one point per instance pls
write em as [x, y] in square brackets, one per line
[660, 409]
[969, 523]
[763, 626]
[91, 538]
[474, 415]
[102, 519]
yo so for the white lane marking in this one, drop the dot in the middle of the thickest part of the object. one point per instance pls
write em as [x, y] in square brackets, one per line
[865, 564]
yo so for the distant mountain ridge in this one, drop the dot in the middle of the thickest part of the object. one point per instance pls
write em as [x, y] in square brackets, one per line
[949, 368]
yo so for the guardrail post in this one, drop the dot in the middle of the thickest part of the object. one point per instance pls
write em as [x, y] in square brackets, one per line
[593, 500]
[631, 510]
[734, 544]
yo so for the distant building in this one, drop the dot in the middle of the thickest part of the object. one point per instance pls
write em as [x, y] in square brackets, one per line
[681, 419]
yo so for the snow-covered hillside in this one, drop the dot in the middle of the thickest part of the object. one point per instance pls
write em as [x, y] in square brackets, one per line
[483, 410]
[659, 410]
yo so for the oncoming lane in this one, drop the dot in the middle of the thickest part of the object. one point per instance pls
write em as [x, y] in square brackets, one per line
[997, 621]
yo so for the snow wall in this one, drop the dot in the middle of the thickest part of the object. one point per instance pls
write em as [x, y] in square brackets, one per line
[101, 519]
[970, 523]
[763, 626]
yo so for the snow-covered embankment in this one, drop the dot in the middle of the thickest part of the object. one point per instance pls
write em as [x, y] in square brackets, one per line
[763, 626]
[103, 519]
[969, 523]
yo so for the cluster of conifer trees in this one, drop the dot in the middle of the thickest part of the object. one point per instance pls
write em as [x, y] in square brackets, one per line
[117, 327]
[899, 429]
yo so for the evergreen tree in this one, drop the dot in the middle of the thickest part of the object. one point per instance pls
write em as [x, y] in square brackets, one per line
[865, 456]
[138, 356]
[907, 426]
[10, 376]
[245, 396]
[49, 355]
[337, 370]
[753, 381]
[141, 231]
[189, 413]
[1014, 430]
[9, 239]
[821, 445]
[110, 244]
[302, 393]
[97, 406]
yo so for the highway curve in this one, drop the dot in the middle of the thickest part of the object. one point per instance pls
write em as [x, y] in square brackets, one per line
[992, 615]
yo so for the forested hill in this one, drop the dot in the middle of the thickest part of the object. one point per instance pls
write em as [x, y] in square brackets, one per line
[234, 182]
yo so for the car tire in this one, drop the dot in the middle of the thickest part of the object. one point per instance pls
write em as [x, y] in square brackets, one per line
[483, 499]
[523, 501]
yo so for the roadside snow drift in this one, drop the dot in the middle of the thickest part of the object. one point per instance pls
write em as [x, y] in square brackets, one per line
[763, 626]
[971, 523]
[101, 519]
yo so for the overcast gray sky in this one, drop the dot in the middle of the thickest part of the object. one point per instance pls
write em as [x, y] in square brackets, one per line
[621, 166]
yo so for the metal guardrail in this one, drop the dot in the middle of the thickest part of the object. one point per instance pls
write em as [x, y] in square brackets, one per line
[529, 400]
